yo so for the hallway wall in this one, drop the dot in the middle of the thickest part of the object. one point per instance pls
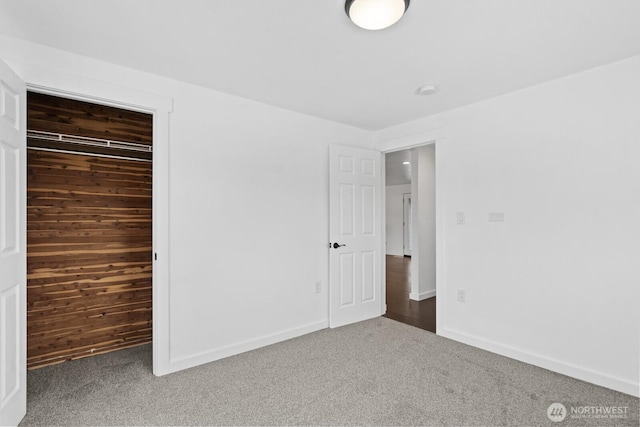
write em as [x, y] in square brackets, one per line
[394, 218]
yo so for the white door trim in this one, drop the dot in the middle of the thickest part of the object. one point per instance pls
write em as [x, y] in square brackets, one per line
[55, 82]
[407, 228]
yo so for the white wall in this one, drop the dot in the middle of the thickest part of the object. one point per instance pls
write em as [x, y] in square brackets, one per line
[249, 193]
[423, 191]
[394, 218]
[248, 208]
[558, 282]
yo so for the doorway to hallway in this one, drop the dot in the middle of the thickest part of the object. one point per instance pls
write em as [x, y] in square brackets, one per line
[400, 307]
[410, 236]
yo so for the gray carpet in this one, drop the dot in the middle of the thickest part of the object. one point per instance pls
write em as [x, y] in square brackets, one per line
[377, 372]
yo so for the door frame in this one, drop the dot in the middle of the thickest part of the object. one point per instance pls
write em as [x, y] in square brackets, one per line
[58, 83]
[435, 136]
[407, 217]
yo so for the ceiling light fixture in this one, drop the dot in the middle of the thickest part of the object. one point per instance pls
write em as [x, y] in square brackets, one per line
[406, 163]
[375, 14]
[426, 90]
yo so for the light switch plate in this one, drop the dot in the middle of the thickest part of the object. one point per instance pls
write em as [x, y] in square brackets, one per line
[460, 218]
[496, 216]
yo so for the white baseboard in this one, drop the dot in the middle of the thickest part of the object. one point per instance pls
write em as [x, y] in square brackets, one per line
[243, 346]
[422, 296]
[584, 374]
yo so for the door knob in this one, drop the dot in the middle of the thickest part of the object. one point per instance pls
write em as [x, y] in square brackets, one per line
[337, 245]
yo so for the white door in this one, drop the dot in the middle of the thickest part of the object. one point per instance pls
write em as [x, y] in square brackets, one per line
[355, 232]
[406, 222]
[13, 260]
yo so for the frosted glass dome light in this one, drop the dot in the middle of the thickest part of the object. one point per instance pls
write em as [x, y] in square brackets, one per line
[375, 14]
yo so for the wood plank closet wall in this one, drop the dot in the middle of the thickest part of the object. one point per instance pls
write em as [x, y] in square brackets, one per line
[89, 235]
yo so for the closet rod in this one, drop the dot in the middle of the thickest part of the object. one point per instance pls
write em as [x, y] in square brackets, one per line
[86, 141]
[80, 153]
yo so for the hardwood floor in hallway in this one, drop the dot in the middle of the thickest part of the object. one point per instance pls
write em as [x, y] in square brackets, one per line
[421, 314]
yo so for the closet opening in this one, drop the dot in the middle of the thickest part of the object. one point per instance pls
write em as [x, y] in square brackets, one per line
[89, 229]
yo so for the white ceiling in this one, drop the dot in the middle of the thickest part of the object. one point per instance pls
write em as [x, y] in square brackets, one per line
[395, 171]
[305, 55]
